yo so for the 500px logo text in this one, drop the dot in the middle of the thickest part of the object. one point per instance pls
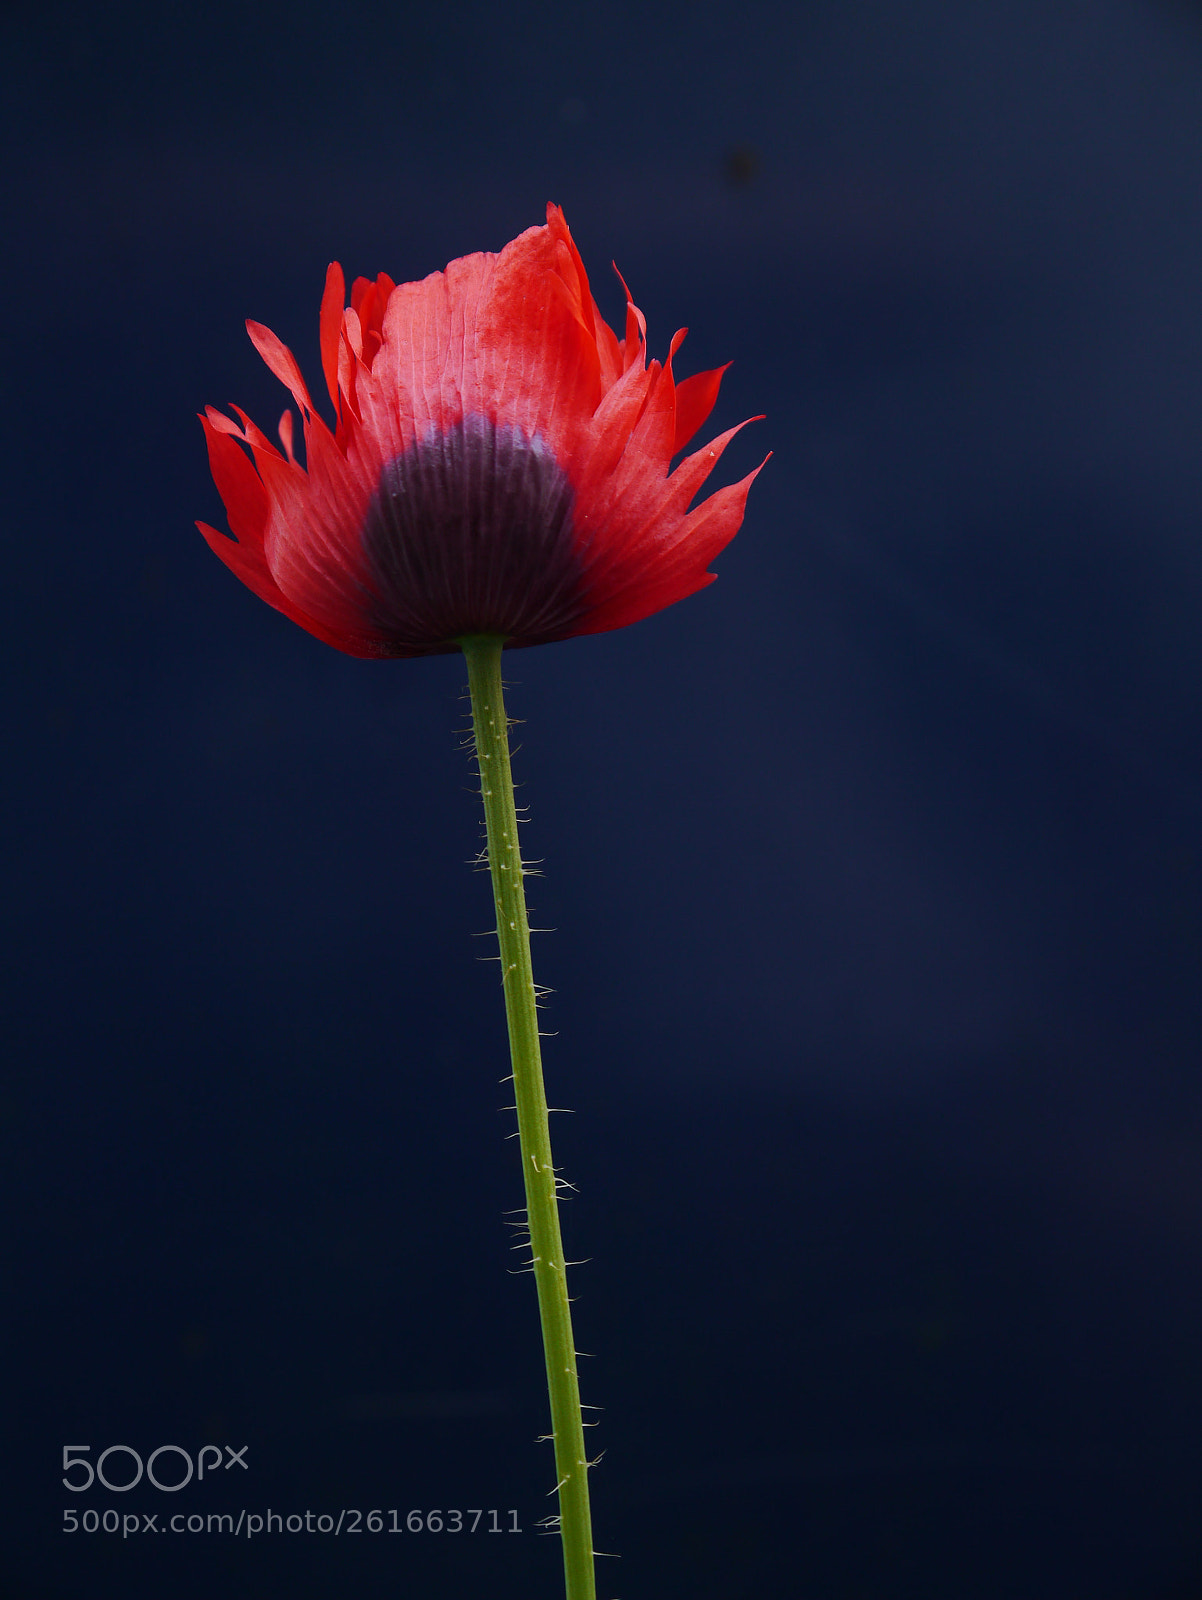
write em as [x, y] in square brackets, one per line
[168, 1468]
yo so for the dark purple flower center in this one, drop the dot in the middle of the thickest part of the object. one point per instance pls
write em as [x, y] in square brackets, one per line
[470, 531]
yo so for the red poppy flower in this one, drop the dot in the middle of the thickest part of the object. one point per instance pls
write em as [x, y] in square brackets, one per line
[500, 463]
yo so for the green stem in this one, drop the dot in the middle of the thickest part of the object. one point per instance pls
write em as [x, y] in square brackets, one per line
[483, 654]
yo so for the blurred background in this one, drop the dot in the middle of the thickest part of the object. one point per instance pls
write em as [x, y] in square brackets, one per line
[875, 868]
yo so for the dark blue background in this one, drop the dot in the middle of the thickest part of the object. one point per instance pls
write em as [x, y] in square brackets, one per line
[874, 868]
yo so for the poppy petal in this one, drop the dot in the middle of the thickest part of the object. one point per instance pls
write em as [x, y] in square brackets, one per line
[281, 361]
[238, 484]
[501, 462]
[695, 399]
[332, 302]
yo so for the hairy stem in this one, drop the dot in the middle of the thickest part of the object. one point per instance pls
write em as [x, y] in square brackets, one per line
[491, 728]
